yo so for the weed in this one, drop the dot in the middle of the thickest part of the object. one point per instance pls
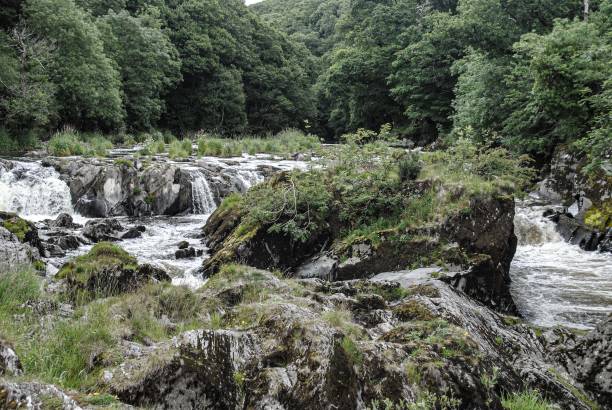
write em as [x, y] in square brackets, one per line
[528, 400]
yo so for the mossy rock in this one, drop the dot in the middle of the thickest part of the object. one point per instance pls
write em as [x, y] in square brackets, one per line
[412, 309]
[107, 270]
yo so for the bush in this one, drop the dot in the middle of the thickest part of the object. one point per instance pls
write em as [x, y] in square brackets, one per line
[409, 167]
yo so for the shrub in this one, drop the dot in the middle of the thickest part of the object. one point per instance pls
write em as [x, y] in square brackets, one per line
[409, 167]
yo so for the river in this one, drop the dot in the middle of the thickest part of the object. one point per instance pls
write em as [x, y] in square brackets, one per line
[553, 282]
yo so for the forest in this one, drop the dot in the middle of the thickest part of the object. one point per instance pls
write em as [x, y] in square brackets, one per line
[526, 74]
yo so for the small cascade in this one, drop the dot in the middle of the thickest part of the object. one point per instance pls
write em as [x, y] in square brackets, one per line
[246, 178]
[33, 191]
[532, 228]
[554, 282]
[201, 194]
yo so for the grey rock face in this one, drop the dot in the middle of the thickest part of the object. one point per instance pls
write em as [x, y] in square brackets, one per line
[102, 230]
[319, 267]
[13, 254]
[34, 396]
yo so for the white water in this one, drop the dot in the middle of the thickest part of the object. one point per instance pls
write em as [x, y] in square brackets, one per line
[33, 191]
[553, 282]
[201, 194]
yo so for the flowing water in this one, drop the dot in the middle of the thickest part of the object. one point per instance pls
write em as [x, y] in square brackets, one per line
[553, 282]
[36, 193]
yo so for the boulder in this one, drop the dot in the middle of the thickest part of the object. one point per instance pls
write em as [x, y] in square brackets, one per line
[13, 254]
[102, 230]
[9, 362]
[63, 221]
[131, 233]
[185, 253]
[183, 245]
[65, 242]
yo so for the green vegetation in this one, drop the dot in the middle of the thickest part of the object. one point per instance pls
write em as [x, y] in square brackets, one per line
[284, 143]
[70, 142]
[17, 226]
[529, 400]
[351, 351]
[362, 188]
[180, 149]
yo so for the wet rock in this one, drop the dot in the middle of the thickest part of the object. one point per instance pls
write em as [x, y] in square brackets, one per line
[102, 189]
[132, 233]
[35, 396]
[576, 233]
[9, 362]
[183, 245]
[51, 250]
[65, 242]
[102, 230]
[64, 221]
[185, 253]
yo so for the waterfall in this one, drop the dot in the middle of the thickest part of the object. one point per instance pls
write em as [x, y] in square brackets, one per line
[201, 194]
[33, 191]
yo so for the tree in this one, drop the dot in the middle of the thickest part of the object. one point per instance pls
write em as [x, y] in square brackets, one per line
[147, 61]
[88, 85]
[27, 96]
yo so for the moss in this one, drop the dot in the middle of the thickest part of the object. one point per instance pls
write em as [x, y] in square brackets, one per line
[51, 402]
[124, 162]
[599, 217]
[18, 227]
[511, 320]
[39, 265]
[412, 310]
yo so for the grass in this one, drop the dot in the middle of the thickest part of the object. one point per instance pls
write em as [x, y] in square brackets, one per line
[351, 351]
[287, 142]
[70, 142]
[529, 400]
[180, 149]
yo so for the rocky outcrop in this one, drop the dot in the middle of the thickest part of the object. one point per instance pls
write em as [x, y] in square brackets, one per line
[35, 396]
[589, 360]
[343, 345]
[577, 233]
[475, 247]
[102, 230]
[131, 187]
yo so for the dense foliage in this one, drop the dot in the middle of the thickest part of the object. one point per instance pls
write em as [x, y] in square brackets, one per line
[524, 73]
[133, 66]
[527, 74]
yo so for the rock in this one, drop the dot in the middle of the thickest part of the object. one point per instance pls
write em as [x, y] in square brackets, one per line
[132, 233]
[279, 360]
[183, 245]
[9, 362]
[590, 362]
[13, 254]
[65, 242]
[107, 270]
[63, 221]
[24, 230]
[576, 233]
[141, 228]
[320, 267]
[102, 230]
[35, 396]
[101, 189]
[51, 250]
[479, 244]
[185, 253]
